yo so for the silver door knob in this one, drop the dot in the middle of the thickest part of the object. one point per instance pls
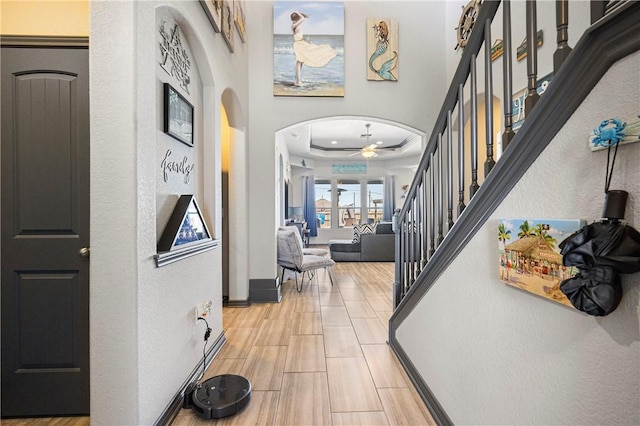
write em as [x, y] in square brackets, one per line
[84, 252]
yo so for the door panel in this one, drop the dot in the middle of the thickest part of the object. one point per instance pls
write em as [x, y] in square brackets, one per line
[45, 222]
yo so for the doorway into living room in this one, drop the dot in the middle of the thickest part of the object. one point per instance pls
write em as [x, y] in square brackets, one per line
[346, 170]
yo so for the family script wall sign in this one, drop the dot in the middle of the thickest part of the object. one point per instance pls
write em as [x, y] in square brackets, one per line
[181, 167]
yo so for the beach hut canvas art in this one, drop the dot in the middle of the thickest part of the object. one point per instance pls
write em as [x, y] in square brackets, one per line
[529, 255]
[308, 48]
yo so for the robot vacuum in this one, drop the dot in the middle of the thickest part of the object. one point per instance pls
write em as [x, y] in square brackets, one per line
[221, 396]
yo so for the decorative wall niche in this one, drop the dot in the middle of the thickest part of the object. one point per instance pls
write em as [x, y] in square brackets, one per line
[186, 233]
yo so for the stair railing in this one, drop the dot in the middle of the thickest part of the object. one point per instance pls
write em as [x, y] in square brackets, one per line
[425, 246]
[428, 215]
[428, 212]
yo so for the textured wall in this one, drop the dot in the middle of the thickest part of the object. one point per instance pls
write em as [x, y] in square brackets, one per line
[144, 339]
[493, 354]
[414, 100]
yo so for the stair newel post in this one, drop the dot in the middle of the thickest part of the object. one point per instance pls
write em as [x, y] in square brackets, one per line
[432, 209]
[562, 27]
[461, 205]
[440, 191]
[398, 285]
[488, 98]
[598, 9]
[508, 133]
[532, 57]
[449, 172]
[474, 129]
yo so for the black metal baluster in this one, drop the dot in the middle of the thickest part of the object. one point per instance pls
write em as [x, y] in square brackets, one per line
[562, 27]
[440, 179]
[424, 242]
[488, 98]
[449, 172]
[406, 250]
[412, 219]
[532, 57]
[508, 133]
[461, 205]
[417, 243]
[432, 209]
[474, 129]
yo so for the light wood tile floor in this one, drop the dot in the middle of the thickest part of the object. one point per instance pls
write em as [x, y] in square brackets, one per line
[319, 357]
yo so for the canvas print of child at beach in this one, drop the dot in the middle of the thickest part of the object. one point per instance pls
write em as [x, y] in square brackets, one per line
[308, 48]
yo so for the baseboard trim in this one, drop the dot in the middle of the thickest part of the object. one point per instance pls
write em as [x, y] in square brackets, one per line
[238, 303]
[437, 412]
[264, 290]
[175, 405]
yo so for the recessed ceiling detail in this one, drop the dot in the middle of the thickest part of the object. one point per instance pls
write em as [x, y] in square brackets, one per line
[342, 138]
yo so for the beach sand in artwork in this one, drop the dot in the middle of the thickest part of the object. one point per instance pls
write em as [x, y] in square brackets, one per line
[541, 285]
[286, 88]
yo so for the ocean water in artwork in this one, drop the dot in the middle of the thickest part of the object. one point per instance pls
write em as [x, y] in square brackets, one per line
[322, 81]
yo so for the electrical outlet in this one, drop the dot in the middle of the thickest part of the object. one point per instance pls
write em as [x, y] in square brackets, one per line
[203, 310]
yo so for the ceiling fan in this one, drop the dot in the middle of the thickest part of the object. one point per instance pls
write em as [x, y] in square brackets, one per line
[369, 150]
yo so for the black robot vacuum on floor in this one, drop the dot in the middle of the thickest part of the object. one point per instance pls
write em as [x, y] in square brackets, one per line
[221, 396]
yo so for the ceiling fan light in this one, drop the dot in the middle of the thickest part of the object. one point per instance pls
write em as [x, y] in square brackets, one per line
[368, 153]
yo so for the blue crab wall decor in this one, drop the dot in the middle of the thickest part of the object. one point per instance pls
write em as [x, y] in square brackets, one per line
[609, 136]
[614, 131]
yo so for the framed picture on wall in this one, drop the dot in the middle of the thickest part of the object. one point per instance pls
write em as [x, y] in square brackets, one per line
[213, 10]
[382, 49]
[308, 48]
[178, 116]
[240, 21]
[529, 255]
[227, 23]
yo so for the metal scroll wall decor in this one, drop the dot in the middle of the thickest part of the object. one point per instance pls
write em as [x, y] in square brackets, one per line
[175, 60]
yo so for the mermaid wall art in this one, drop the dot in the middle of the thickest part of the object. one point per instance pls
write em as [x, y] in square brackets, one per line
[308, 44]
[382, 49]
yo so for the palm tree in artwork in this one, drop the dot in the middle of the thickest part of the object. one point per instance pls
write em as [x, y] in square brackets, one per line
[525, 230]
[540, 231]
[504, 234]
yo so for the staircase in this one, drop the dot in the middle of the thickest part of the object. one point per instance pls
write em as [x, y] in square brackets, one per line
[446, 205]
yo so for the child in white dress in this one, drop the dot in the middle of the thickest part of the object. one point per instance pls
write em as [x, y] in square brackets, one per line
[309, 54]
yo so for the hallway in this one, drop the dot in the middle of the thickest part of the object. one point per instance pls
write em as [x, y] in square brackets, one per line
[320, 356]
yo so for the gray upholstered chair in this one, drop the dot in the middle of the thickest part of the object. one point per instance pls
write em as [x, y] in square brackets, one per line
[291, 256]
[308, 250]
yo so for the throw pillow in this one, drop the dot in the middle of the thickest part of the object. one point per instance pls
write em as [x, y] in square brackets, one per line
[365, 228]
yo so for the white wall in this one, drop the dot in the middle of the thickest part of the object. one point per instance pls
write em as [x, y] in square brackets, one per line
[144, 339]
[414, 100]
[493, 354]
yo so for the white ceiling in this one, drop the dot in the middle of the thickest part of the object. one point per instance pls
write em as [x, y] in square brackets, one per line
[313, 139]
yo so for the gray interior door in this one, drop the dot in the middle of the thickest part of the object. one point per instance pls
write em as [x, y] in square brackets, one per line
[45, 226]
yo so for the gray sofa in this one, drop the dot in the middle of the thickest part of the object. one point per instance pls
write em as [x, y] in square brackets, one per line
[378, 247]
